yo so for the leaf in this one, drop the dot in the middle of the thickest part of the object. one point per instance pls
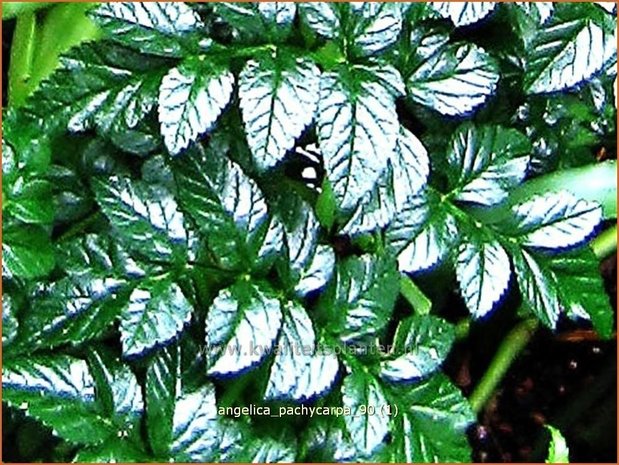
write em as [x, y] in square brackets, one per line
[322, 17]
[361, 296]
[160, 28]
[26, 252]
[74, 310]
[191, 98]
[156, 314]
[422, 235]
[558, 452]
[568, 50]
[538, 287]
[318, 271]
[368, 425]
[555, 221]
[99, 85]
[483, 271]
[298, 372]
[241, 327]
[377, 26]
[486, 163]
[421, 344]
[581, 288]
[146, 218]
[195, 435]
[543, 10]
[406, 176]
[432, 428]
[10, 325]
[278, 99]
[162, 389]
[455, 80]
[464, 13]
[58, 391]
[258, 20]
[357, 129]
[27, 200]
[227, 206]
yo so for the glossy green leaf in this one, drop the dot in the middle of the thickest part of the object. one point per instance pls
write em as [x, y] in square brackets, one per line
[156, 313]
[432, 426]
[101, 86]
[538, 287]
[160, 28]
[581, 289]
[241, 328]
[59, 391]
[486, 163]
[195, 434]
[367, 424]
[191, 98]
[26, 252]
[298, 372]
[483, 271]
[227, 206]
[568, 50]
[464, 13]
[555, 221]
[421, 344]
[361, 296]
[358, 128]
[455, 80]
[146, 218]
[162, 390]
[278, 99]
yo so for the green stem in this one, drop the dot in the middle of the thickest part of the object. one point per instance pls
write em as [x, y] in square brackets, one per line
[14, 9]
[606, 243]
[463, 327]
[409, 290]
[22, 57]
[512, 345]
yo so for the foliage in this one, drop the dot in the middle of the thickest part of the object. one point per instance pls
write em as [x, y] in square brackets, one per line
[175, 282]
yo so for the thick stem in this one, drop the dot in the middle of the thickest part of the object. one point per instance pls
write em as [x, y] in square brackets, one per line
[606, 243]
[509, 349]
[22, 54]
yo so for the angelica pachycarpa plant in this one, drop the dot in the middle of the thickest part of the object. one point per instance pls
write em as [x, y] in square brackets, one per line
[212, 207]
